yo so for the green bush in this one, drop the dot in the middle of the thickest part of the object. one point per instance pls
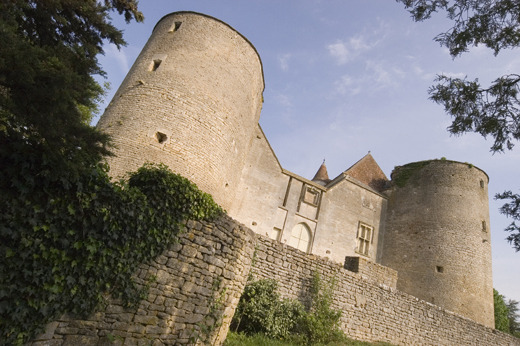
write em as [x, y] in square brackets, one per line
[262, 311]
[321, 323]
[501, 312]
[69, 237]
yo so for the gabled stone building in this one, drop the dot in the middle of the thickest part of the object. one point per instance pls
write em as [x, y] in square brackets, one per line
[192, 101]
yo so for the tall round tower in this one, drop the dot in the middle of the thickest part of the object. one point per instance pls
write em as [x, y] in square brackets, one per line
[191, 100]
[438, 237]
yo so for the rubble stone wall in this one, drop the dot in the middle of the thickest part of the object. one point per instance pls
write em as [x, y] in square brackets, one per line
[194, 289]
[197, 284]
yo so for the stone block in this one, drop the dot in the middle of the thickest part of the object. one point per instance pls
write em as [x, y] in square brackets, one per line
[147, 320]
[75, 340]
[50, 328]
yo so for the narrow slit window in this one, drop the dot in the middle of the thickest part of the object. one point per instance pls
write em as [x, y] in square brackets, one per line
[161, 137]
[175, 27]
[484, 226]
[155, 64]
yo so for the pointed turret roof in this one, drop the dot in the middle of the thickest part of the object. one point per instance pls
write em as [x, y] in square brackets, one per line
[322, 176]
[368, 172]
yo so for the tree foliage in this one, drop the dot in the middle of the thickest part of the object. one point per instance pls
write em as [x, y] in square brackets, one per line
[47, 62]
[494, 110]
[513, 317]
[68, 234]
[501, 312]
[489, 111]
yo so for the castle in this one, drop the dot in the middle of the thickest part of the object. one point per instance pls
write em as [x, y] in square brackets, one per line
[192, 101]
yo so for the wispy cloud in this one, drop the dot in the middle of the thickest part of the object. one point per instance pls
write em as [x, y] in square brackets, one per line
[112, 53]
[346, 51]
[283, 61]
[340, 52]
[283, 100]
[419, 72]
[375, 75]
[347, 85]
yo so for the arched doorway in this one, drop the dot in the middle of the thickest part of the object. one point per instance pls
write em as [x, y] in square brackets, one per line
[301, 237]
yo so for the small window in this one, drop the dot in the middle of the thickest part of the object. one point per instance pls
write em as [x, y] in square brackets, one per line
[175, 27]
[311, 196]
[365, 234]
[155, 64]
[161, 137]
[481, 183]
[439, 269]
[484, 226]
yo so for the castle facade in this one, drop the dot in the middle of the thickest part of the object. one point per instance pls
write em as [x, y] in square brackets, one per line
[192, 101]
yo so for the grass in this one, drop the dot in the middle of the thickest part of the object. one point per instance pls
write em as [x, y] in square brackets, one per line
[236, 339]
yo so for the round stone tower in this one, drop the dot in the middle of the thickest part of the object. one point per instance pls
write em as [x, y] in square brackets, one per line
[191, 100]
[438, 237]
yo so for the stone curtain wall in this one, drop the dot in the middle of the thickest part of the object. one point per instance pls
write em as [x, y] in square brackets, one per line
[372, 272]
[200, 280]
[371, 312]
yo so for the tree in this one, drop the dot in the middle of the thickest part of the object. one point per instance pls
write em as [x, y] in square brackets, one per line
[47, 62]
[512, 315]
[501, 312]
[49, 154]
[492, 110]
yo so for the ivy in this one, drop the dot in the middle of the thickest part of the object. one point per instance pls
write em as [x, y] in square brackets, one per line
[402, 174]
[68, 238]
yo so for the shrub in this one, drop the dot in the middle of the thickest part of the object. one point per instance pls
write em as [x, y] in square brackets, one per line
[260, 310]
[321, 323]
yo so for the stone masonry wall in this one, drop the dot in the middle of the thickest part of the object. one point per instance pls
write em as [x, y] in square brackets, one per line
[200, 279]
[196, 111]
[371, 312]
[371, 271]
[210, 263]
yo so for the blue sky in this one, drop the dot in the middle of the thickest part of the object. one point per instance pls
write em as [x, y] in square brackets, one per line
[347, 77]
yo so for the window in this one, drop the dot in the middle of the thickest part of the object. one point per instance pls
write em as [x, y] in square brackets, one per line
[311, 196]
[484, 226]
[365, 234]
[161, 137]
[155, 64]
[175, 27]
[300, 237]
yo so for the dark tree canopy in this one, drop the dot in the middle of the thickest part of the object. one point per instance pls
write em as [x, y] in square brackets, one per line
[514, 318]
[492, 110]
[47, 62]
[501, 312]
[492, 23]
[50, 157]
